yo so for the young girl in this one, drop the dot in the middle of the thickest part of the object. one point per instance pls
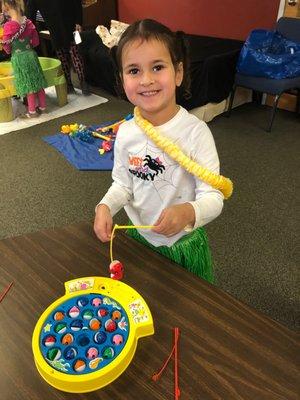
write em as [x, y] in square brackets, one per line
[166, 163]
[19, 38]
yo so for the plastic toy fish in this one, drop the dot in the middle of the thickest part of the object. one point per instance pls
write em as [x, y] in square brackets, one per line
[116, 270]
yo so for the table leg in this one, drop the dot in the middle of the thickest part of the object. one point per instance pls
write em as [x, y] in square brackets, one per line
[6, 110]
[61, 90]
[61, 93]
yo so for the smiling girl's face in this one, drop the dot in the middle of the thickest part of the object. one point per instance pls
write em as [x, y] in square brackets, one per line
[150, 79]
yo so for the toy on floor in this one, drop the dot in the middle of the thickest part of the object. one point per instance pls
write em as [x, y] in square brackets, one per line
[79, 131]
[85, 133]
[111, 132]
[87, 338]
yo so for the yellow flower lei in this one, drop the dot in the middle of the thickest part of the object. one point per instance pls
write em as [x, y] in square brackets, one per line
[216, 181]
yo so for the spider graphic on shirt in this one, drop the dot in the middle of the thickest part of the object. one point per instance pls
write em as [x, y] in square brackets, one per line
[154, 163]
[152, 166]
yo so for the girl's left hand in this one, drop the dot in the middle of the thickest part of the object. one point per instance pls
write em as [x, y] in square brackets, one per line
[174, 219]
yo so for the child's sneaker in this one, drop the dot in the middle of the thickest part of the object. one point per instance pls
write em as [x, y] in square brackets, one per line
[70, 89]
[29, 115]
[40, 110]
[85, 88]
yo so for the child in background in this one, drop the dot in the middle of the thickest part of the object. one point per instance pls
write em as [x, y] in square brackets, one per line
[19, 38]
[62, 18]
[150, 175]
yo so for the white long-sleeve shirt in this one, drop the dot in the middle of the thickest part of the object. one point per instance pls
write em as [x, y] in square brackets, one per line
[146, 180]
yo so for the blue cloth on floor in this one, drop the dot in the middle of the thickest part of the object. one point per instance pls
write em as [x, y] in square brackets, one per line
[82, 155]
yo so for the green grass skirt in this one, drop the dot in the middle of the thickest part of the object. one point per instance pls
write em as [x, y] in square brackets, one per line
[191, 252]
[28, 74]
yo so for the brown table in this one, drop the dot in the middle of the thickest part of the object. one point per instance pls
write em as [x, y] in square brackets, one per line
[227, 350]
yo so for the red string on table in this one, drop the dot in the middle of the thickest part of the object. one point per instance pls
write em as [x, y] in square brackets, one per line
[5, 291]
[174, 352]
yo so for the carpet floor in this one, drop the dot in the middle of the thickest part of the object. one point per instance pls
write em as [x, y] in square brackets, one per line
[254, 240]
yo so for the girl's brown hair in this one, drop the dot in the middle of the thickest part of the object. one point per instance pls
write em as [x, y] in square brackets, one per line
[148, 29]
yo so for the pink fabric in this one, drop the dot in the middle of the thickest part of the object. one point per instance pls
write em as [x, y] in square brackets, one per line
[34, 99]
[12, 27]
[31, 102]
[42, 99]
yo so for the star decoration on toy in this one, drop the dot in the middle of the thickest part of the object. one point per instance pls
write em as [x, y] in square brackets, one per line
[47, 328]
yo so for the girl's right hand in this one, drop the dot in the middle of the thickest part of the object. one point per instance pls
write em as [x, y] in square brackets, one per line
[103, 223]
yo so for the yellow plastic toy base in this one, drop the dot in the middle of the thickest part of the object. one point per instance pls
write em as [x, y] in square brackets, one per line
[140, 325]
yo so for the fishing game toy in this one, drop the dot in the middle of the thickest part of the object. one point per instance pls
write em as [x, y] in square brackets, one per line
[87, 338]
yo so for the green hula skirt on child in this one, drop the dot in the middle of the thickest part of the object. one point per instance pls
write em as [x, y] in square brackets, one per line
[191, 252]
[28, 73]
